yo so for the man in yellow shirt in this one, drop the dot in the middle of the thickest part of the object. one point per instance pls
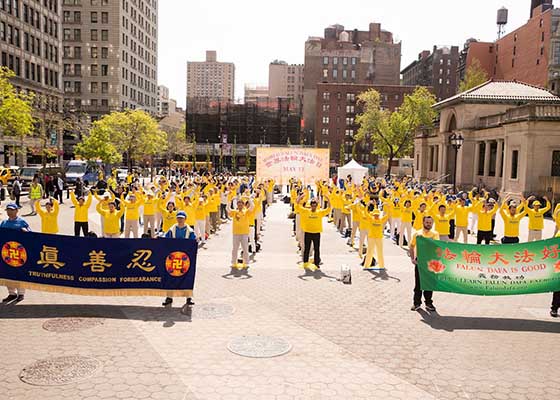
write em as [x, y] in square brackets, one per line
[427, 232]
[312, 225]
[511, 215]
[240, 226]
[375, 224]
[81, 209]
[111, 219]
[442, 222]
[536, 218]
[485, 213]
[49, 216]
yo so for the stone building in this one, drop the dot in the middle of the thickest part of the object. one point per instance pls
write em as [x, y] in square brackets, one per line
[286, 80]
[512, 139]
[209, 80]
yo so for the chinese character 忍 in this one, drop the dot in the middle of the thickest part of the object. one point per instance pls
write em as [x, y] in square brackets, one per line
[140, 260]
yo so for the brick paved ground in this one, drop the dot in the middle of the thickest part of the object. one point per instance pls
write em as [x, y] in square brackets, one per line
[356, 341]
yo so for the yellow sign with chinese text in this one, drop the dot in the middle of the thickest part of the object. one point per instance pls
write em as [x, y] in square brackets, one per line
[284, 163]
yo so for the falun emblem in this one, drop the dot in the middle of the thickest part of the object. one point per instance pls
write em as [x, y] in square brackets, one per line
[177, 263]
[14, 254]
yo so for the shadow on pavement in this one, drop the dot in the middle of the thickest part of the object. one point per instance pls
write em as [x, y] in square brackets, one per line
[317, 275]
[382, 275]
[238, 273]
[168, 315]
[450, 324]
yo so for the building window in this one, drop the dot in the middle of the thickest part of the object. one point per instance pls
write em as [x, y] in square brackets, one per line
[326, 96]
[105, 17]
[514, 163]
[481, 157]
[325, 60]
[349, 121]
[94, 35]
[542, 50]
[542, 36]
[514, 50]
[353, 60]
[326, 107]
[541, 23]
[538, 61]
[105, 35]
[417, 162]
[325, 131]
[325, 73]
[350, 97]
[353, 74]
[349, 132]
[94, 17]
[325, 120]
[512, 62]
[349, 109]
[335, 60]
[555, 163]
[344, 74]
[344, 60]
[335, 73]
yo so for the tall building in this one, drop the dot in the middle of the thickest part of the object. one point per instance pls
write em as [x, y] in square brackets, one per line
[30, 46]
[286, 80]
[530, 53]
[210, 80]
[110, 55]
[348, 56]
[336, 125]
[253, 93]
[162, 97]
[437, 69]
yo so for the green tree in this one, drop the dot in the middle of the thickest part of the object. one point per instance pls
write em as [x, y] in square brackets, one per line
[97, 145]
[133, 132]
[474, 76]
[341, 154]
[392, 133]
[16, 109]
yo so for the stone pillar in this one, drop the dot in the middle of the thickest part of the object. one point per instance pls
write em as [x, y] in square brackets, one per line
[505, 162]
[499, 159]
[476, 161]
[487, 158]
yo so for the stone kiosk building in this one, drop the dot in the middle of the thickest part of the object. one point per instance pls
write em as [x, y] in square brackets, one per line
[511, 136]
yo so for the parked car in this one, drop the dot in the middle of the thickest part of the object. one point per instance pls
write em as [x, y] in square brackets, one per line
[28, 172]
[88, 171]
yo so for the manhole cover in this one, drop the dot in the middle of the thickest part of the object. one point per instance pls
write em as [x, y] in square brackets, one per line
[71, 324]
[212, 311]
[58, 371]
[259, 346]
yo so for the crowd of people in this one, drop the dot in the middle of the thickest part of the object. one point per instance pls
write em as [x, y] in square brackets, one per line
[364, 213]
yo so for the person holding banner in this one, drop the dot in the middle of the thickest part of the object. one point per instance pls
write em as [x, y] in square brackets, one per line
[49, 216]
[111, 219]
[427, 232]
[19, 224]
[180, 231]
[536, 218]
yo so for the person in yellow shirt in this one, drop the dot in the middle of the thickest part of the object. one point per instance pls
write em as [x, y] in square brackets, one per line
[556, 218]
[111, 219]
[132, 206]
[536, 218]
[346, 203]
[427, 232]
[375, 224]
[419, 215]
[240, 226]
[168, 213]
[104, 200]
[441, 219]
[200, 212]
[49, 216]
[485, 213]
[150, 208]
[462, 220]
[312, 225]
[511, 214]
[406, 222]
[356, 218]
[81, 210]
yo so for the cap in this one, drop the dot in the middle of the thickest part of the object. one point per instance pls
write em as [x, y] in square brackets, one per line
[12, 206]
[181, 214]
[537, 203]
[81, 197]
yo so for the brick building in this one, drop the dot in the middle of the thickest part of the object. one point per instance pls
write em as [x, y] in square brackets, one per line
[437, 69]
[530, 53]
[348, 56]
[337, 110]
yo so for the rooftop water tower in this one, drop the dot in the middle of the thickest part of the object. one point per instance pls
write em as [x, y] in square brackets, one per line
[501, 20]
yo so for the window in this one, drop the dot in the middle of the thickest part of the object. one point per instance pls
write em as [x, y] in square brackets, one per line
[481, 158]
[349, 132]
[555, 163]
[349, 109]
[538, 61]
[344, 60]
[104, 17]
[93, 87]
[353, 74]
[344, 74]
[441, 62]
[94, 17]
[349, 121]
[512, 63]
[104, 87]
[542, 36]
[325, 73]
[104, 52]
[94, 35]
[325, 120]
[94, 70]
[432, 149]
[541, 23]
[335, 60]
[335, 73]
[514, 163]
[325, 60]
[514, 50]
[542, 50]
[326, 107]
[105, 35]
[353, 60]
[94, 52]
[325, 131]
[326, 96]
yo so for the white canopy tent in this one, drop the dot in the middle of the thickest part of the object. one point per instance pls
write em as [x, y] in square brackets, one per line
[355, 170]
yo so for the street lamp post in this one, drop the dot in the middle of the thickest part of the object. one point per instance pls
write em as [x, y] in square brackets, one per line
[456, 140]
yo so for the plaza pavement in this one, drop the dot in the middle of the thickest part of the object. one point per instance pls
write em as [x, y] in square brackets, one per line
[356, 341]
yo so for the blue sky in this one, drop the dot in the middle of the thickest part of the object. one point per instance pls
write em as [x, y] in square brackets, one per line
[252, 33]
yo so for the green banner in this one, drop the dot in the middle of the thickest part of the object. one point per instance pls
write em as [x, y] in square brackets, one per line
[509, 269]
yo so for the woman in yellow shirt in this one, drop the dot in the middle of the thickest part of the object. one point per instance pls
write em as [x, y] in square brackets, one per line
[536, 218]
[168, 213]
[406, 222]
[200, 212]
[81, 210]
[375, 224]
[441, 220]
[49, 216]
[111, 219]
[462, 219]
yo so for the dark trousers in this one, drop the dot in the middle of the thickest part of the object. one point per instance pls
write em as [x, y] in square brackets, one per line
[510, 240]
[265, 204]
[58, 195]
[314, 238]
[223, 211]
[452, 229]
[485, 236]
[555, 301]
[84, 226]
[418, 291]
[16, 197]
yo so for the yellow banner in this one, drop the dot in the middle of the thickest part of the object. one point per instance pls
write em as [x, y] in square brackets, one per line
[283, 163]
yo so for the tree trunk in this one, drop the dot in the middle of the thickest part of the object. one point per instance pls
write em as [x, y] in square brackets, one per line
[389, 166]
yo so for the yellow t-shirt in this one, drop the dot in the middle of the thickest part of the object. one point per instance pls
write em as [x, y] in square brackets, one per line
[49, 220]
[312, 222]
[536, 218]
[423, 233]
[406, 214]
[111, 220]
[240, 220]
[80, 212]
[462, 216]
[169, 218]
[511, 223]
[485, 219]
[375, 226]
